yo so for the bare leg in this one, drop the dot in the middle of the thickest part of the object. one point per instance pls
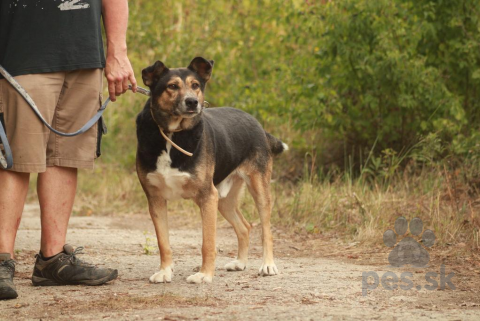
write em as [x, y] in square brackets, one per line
[56, 192]
[13, 193]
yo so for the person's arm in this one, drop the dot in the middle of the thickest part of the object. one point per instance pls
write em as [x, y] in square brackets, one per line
[118, 69]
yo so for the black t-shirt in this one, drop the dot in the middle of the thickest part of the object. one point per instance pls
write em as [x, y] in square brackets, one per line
[38, 36]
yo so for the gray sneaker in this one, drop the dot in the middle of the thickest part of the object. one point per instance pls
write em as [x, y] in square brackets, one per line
[7, 269]
[66, 269]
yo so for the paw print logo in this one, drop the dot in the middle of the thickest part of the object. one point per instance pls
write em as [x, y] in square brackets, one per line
[408, 250]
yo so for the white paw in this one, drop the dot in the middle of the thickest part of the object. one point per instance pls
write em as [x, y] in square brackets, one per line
[236, 265]
[199, 278]
[163, 276]
[268, 269]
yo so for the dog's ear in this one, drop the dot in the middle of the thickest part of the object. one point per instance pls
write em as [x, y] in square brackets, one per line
[202, 66]
[151, 74]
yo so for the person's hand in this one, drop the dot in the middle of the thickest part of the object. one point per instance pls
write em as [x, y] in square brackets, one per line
[119, 73]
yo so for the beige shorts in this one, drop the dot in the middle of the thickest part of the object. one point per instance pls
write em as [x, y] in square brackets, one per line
[67, 100]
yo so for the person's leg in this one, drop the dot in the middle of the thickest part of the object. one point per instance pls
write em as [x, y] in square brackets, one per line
[12, 198]
[28, 139]
[56, 190]
[78, 102]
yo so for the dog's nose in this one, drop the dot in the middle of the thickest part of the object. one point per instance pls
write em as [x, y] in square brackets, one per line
[191, 103]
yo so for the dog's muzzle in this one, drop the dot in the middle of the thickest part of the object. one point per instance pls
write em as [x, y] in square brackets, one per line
[190, 107]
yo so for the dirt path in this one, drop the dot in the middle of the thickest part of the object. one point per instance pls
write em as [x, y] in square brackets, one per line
[309, 286]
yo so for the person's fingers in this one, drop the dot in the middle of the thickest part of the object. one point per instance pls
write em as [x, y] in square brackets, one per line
[111, 88]
[133, 81]
[119, 79]
[125, 85]
[118, 86]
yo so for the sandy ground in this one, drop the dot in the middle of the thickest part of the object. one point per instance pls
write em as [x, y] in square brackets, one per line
[310, 286]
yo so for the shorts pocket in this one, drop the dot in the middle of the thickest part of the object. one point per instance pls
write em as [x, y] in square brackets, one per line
[101, 130]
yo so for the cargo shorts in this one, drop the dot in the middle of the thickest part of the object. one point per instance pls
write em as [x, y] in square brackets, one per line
[67, 100]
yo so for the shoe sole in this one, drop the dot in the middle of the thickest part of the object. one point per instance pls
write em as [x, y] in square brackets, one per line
[38, 281]
[8, 294]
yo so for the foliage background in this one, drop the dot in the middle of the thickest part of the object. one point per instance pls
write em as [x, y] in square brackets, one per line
[348, 72]
[378, 100]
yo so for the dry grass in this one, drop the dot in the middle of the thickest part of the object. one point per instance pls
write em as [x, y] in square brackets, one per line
[362, 212]
[348, 208]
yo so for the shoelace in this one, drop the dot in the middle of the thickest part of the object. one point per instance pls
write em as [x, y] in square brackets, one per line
[9, 264]
[75, 260]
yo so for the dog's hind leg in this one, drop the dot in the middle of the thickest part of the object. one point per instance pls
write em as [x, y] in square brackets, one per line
[208, 203]
[228, 207]
[259, 186]
[158, 212]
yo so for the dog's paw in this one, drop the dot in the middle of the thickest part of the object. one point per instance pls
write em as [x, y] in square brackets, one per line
[236, 265]
[268, 269]
[199, 278]
[163, 276]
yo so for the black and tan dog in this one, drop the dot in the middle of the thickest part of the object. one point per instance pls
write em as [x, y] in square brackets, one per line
[229, 148]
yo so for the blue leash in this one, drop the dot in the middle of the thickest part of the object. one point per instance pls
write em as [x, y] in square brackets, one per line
[6, 158]
[6, 162]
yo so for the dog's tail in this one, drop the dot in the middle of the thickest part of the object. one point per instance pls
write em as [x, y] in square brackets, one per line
[276, 145]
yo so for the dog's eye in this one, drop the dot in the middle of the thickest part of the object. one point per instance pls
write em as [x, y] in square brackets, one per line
[173, 86]
[195, 86]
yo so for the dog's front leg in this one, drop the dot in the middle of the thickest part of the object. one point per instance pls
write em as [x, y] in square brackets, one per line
[158, 212]
[208, 203]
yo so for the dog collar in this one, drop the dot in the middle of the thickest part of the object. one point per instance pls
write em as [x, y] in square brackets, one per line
[173, 144]
[148, 93]
[168, 139]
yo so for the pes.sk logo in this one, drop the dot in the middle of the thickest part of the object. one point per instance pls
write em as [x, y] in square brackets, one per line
[407, 252]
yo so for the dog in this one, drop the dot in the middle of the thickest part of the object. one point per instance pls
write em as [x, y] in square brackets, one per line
[230, 148]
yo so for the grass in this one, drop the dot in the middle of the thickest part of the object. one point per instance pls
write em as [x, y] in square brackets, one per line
[363, 213]
[354, 209]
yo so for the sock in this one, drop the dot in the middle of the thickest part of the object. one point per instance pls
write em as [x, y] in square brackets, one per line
[46, 258]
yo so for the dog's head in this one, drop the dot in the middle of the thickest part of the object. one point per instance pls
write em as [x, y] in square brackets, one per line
[179, 91]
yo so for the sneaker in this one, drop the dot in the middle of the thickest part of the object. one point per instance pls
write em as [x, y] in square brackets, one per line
[7, 269]
[66, 269]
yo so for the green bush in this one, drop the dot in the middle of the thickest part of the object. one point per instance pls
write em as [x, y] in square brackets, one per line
[401, 69]
[349, 74]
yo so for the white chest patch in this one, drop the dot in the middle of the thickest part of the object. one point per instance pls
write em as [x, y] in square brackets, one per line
[169, 180]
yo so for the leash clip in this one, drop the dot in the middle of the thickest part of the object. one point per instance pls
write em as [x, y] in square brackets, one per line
[141, 90]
